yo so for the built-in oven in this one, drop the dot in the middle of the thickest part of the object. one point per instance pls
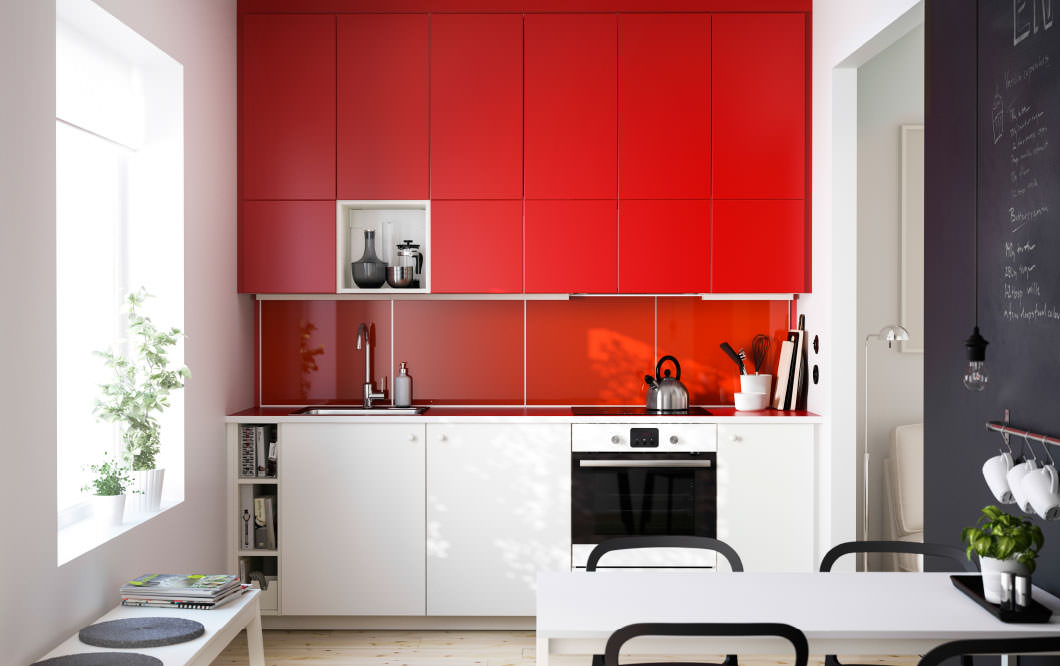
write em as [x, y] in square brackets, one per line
[639, 479]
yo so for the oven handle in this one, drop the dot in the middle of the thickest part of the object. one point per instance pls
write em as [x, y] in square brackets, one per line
[644, 463]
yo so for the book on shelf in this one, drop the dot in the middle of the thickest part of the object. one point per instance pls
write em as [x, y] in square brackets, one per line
[201, 586]
[247, 464]
[259, 449]
[265, 522]
[246, 517]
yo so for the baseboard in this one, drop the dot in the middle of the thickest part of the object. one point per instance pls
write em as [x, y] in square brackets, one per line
[382, 622]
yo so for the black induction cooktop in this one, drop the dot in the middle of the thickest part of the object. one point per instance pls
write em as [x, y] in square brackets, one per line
[635, 411]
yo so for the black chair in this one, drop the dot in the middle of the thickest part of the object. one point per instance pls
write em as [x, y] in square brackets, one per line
[954, 554]
[623, 635]
[664, 541]
[988, 646]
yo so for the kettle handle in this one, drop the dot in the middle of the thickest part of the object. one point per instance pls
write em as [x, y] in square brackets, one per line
[658, 366]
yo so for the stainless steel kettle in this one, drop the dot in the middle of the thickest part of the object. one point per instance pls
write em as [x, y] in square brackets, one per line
[666, 393]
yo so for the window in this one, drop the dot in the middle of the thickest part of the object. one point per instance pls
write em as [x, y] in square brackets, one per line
[119, 226]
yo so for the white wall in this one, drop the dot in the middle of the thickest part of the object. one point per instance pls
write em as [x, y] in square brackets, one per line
[39, 602]
[890, 94]
[846, 33]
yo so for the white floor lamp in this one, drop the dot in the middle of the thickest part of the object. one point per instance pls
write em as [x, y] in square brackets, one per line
[891, 333]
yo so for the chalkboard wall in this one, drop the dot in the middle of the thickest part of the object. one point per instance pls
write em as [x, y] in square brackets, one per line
[1018, 250]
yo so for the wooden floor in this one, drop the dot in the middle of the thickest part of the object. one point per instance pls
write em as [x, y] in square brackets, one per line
[420, 648]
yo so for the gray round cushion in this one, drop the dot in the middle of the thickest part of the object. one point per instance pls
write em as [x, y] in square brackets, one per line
[141, 632]
[101, 659]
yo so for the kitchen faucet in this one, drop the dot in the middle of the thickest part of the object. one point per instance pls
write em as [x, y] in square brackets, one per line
[369, 393]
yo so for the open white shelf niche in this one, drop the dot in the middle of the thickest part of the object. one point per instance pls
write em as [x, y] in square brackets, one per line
[393, 222]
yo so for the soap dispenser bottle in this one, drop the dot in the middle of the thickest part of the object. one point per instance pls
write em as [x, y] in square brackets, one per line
[403, 388]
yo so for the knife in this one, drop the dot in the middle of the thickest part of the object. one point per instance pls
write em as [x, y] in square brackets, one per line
[725, 347]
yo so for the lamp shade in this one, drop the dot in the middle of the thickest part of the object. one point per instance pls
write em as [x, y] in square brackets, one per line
[893, 332]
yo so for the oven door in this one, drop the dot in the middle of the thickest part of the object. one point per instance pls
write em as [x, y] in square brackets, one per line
[627, 494]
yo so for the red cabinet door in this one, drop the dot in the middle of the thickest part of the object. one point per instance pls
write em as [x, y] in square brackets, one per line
[760, 92]
[288, 107]
[288, 247]
[571, 247]
[663, 106]
[476, 106]
[382, 106]
[476, 246]
[663, 247]
[571, 112]
[760, 246]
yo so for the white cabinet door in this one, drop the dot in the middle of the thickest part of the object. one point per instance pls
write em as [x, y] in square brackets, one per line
[766, 495]
[498, 511]
[351, 519]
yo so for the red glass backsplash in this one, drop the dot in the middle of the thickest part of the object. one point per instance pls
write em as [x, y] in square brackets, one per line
[582, 351]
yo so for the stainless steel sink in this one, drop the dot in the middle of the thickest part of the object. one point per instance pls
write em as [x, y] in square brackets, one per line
[352, 410]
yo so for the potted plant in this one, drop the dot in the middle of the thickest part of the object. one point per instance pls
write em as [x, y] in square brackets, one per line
[138, 393]
[108, 485]
[1005, 544]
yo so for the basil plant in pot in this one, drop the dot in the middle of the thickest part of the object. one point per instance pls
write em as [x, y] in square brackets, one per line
[110, 480]
[138, 393]
[1005, 544]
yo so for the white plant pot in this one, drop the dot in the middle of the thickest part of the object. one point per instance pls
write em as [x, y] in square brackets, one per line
[992, 570]
[149, 484]
[108, 510]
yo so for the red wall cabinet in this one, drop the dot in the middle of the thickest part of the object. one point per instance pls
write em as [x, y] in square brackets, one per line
[476, 106]
[382, 106]
[664, 106]
[759, 74]
[663, 246]
[288, 107]
[287, 247]
[760, 246]
[571, 106]
[571, 247]
[477, 246]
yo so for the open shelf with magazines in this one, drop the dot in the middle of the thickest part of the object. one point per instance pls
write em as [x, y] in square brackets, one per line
[253, 507]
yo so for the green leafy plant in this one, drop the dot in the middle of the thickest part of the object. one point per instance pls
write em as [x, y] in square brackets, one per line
[141, 386]
[1001, 535]
[111, 478]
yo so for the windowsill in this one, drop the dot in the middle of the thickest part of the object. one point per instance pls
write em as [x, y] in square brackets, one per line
[82, 536]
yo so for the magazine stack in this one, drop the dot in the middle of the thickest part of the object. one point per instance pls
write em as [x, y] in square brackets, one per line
[181, 590]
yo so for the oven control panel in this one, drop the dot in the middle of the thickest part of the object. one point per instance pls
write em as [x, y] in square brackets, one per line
[644, 438]
[658, 437]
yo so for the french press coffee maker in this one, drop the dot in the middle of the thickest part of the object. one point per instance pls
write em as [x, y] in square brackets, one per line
[409, 255]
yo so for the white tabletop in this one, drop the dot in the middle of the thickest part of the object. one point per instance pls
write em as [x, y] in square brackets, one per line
[851, 613]
[221, 624]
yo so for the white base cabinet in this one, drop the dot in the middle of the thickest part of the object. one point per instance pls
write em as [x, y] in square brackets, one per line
[766, 481]
[352, 530]
[498, 511]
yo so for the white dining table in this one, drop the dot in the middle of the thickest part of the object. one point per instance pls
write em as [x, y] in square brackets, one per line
[840, 613]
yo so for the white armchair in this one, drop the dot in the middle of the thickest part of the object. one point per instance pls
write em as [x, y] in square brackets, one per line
[903, 487]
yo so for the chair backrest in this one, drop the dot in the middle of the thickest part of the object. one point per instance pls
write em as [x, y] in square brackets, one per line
[664, 541]
[627, 633]
[952, 553]
[1033, 645]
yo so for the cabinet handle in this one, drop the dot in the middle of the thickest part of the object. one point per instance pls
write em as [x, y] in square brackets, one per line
[412, 438]
[615, 439]
[734, 438]
[644, 463]
[443, 438]
[673, 439]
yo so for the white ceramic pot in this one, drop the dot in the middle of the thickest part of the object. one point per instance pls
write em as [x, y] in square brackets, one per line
[149, 484]
[992, 570]
[108, 510]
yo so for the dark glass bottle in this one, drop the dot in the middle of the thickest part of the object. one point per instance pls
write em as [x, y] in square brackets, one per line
[368, 271]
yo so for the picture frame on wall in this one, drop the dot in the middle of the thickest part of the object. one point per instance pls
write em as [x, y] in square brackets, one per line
[911, 289]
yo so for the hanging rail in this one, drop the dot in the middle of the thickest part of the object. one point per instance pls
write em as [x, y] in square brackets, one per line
[1004, 428]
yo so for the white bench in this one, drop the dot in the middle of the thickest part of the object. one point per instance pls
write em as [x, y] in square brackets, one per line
[222, 625]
